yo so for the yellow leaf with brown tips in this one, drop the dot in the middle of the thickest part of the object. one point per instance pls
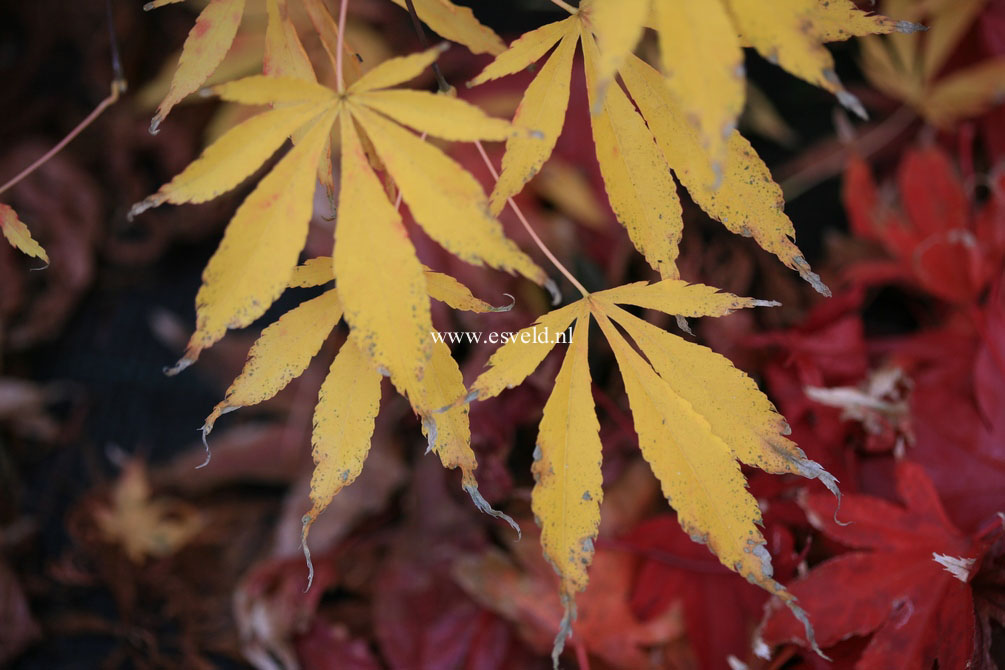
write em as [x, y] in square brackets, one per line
[397, 70]
[618, 26]
[697, 470]
[259, 89]
[703, 65]
[206, 45]
[233, 158]
[567, 491]
[839, 20]
[447, 429]
[444, 198]
[259, 250]
[543, 109]
[448, 290]
[677, 297]
[736, 409]
[457, 24]
[436, 114]
[784, 35]
[527, 49]
[284, 52]
[747, 201]
[281, 354]
[520, 356]
[637, 178]
[18, 234]
[379, 277]
[343, 427]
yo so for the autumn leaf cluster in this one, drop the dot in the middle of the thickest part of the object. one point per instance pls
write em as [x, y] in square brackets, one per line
[654, 125]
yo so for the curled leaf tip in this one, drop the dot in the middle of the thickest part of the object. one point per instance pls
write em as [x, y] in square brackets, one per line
[564, 630]
[811, 637]
[205, 443]
[852, 103]
[155, 124]
[505, 308]
[813, 470]
[307, 521]
[466, 400]
[148, 6]
[552, 288]
[683, 324]
[831, 482]
[142, 206]
[484, 506]
[44, 267]
[765, 303]
[431, 432]
[909, 27]
[811, 277]
[172, 370]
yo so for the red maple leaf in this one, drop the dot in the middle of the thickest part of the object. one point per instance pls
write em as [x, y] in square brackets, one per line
[934, 239]
[675, 568]
[907, 583]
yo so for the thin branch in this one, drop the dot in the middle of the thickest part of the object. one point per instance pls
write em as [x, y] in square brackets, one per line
[340, 46]
[566, 6]
[113, 45]
[444, 86]
[417, 25]
[118, 88]
[104, 104]
[526, 224]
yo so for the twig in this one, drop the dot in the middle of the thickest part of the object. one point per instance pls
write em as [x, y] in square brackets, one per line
[118, 87]
[440, 80]
[340, 44]
[444, 86]
[526, 224]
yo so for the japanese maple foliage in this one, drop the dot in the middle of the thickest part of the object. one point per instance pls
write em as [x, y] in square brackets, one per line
[906, 582]
[937, 239]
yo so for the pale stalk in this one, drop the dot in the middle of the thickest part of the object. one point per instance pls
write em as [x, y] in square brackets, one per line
[340, 81]
[526, 224]
[117, 88]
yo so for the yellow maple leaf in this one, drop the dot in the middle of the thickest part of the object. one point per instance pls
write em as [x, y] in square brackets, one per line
[260, 247]
[696, 415]
[457, 24]
[144, 525]
[909, 68]
[685, 121]
[350, 395]
[204, 49]
[216, 29]
[18, 235]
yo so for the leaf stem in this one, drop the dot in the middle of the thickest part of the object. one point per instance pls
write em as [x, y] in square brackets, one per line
[340, 44]
[118, 86]
[566, 6]
[424, 41]
[526, 224]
